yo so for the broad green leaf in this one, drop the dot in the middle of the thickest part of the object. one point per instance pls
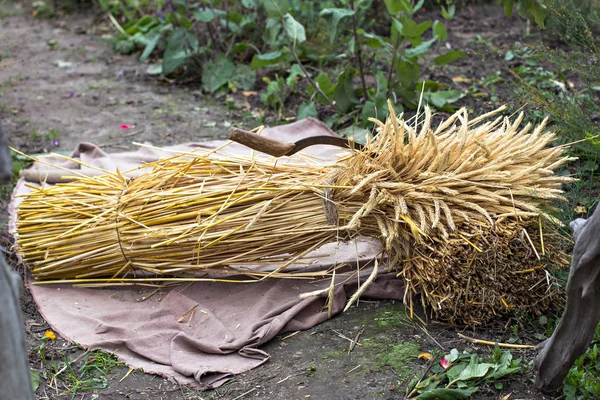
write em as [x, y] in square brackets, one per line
[380, 97]
[422, 27]
[428, 85]
[371, 110]
[396, 6]
[233, 16]
[505, 359]
[448, 57]
[424, 383]
[415, 41]
[262, 60]
[154, 69]
[453, 356]
[407, 73]
[239, 47]
[294, 29]
[248, 21]
[334, 15]
[418, 6]
[449, 12]
[439, 30]
[205, 15]
[135, 26]
[373, 40]
[397, 25]
[276, 8]
[409, 27]
[306, 110]
[343, 94]
[432, 385]
[295, 71]
[533, 8]
[359, 135]
[324, 82]
[35, 380]
[180, 47]
[475, 369]
[441, 98]
[508, 7]
[502, 372]
[250, 4]
[447, 394]
[243, 77]
[420, 49]
[150, 47]
[454, 372]
[272, 30]
[217, 73]
[186, 23]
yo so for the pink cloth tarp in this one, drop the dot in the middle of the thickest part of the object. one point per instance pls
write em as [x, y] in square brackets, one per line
[202, 333]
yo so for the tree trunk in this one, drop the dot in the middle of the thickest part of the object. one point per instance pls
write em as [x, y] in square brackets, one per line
[15, 378]
[576, 329]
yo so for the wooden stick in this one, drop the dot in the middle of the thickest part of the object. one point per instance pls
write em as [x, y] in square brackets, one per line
[487, 342]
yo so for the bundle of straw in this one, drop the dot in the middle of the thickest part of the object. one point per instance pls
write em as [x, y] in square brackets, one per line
[426, 193]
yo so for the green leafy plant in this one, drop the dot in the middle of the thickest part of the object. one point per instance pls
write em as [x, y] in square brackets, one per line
[76, 375]
[530, 9]
[583, 379]
[460, 375]
[572, 108]
[130, 8]
[227, 44]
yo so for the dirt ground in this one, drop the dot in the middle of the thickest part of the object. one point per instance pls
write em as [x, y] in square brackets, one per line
[54, 96]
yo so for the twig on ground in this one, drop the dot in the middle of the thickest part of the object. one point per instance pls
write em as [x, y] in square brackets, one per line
[290, 335]
[345, 337]
[425, 331]
[429, 365]
[245, 393]
[134, 132]
[290, 376]
[354, 369]
[127, 374]
[355, 341]
[489, 343]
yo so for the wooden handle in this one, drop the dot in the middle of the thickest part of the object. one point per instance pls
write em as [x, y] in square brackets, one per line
[263, 144]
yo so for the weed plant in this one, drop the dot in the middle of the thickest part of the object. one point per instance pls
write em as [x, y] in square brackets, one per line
[340, 59]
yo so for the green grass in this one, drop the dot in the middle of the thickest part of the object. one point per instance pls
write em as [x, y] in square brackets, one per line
[89, 371]
[583, 379]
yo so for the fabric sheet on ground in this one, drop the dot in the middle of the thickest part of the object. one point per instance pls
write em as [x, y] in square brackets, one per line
[222, 337]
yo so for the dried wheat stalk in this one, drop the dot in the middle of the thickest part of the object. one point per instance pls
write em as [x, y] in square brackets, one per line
[423, 191]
